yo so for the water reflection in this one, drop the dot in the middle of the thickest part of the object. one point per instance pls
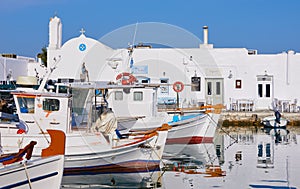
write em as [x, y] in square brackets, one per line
[240, 157]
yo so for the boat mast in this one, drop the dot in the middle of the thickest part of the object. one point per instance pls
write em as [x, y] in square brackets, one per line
[48, 73]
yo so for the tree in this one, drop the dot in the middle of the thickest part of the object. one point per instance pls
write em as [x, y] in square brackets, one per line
[43, 56]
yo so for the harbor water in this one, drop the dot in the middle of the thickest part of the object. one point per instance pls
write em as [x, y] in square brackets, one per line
[239, 157]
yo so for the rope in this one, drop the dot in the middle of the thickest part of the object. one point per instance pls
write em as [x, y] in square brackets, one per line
[227, 133]
[27, 175]
[41, 130]
[154, 151]
[209, 156]
[20, 141]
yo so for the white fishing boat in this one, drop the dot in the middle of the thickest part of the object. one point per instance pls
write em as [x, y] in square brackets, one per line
[46, 171]
[193, 129]
[136, 110]
[270, 122]
[91, 155]
[33, 174]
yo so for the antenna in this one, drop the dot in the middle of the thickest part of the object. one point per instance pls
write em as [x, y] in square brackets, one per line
[135, 30]
[131, 47]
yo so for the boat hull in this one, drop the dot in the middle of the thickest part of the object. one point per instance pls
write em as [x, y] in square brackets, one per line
[269, 122]
[88, 156]
[194, 130]
[41, 172]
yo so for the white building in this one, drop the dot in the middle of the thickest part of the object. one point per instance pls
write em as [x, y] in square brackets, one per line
[13, 66]
[219, 75]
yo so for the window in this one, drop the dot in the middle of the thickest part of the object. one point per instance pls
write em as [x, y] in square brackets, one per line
[260, 88]
[26, 104]
[268, 90]
[118, 95]
[164, 80]
[208, 88]
[50, 104]
[238, 84]
[145, 81]
[63, 89]
[218, 88]
[196, 83]
[138, 96]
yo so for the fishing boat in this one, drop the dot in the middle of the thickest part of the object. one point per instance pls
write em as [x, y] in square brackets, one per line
[136, 110]
[92, 155]
[18, 170]
[192, 129]
[276, 121]
[270, 122]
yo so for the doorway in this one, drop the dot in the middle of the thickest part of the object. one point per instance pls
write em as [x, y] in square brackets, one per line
[264, 91]
[214, 91]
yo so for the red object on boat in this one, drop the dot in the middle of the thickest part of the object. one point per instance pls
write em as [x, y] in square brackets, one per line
[21, 131]
[15, 157]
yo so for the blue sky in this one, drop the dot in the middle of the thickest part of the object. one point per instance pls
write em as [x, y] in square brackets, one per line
[270, 26]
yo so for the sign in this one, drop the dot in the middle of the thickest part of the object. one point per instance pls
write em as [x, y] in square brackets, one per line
[196, 83]
[139, 69]
[178, 86]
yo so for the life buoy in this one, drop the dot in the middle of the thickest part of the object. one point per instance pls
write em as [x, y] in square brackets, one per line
[126, 78]
[178, 86]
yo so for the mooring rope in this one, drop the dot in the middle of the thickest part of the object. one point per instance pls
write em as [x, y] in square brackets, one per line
[27, 175]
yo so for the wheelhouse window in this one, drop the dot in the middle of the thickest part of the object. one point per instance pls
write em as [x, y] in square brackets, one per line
[26, 104]
[163, 80]
[145, 80]
[50, 104]
[138, 96]
[63, 89]
[118, 95]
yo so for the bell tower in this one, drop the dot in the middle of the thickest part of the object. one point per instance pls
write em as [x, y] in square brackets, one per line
[55, 33]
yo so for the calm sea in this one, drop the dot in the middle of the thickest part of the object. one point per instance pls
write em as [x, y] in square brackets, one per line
[238, 158]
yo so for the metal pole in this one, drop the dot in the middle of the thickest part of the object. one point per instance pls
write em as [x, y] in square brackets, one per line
[177, 100]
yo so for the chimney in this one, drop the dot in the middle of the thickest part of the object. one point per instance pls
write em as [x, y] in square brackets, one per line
[205, 35]
[205, 44]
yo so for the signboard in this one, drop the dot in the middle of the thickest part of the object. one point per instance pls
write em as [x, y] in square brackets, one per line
[139, 69]
[196, 83]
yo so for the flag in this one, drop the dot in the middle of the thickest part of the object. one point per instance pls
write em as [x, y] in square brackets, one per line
[131, 62]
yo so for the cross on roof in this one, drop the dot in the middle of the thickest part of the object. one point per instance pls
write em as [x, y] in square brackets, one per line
[82, 31]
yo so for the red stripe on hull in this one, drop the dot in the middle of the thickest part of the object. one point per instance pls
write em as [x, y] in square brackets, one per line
[190, 140]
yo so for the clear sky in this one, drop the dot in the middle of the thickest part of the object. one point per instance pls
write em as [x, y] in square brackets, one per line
[270, 26]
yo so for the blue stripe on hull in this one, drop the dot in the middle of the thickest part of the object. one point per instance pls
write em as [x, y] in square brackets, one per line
[32, 180]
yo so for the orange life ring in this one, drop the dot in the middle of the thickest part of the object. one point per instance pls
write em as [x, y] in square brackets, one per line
[126, 78]
[178, 86]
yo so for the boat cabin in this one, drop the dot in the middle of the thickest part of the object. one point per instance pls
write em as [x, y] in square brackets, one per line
[41, 111]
